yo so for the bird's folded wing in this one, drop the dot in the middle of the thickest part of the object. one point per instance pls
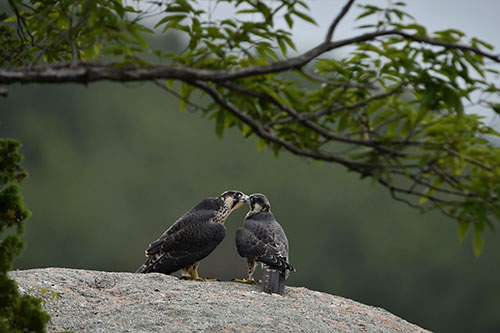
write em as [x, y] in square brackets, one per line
[260, 246]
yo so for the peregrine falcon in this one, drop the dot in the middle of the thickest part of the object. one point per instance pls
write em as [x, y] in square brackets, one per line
[262, 239]
[192, 237]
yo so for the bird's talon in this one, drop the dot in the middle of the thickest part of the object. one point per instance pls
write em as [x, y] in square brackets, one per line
[247, 281]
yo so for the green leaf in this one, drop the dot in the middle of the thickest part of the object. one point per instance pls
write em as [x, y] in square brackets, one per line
[421, 31]
[169, 83]
[247, 131]
[289, 20]
[290, 42]
[171, 20]
[274, 95]
[220, 123]
[480, 227]
[261, 144]
[305, 17]
[426, 102]
[393, 125]
[184, 95]
[119, 8]
[10, 19]
[365, 14]
[463, 228]
[486, 45]
[282, 46]
[478, 243]
[248, 11]
[343, 122]
[428, 95]
[132, 29]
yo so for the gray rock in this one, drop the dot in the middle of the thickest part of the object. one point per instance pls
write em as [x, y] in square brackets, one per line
[93, 301]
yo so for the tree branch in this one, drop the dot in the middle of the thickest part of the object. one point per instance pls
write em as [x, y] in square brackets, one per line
[178, 96]
[347, 84]
[313, 126]
[272, 137]
[357, 105]
[337, 20]
[87, 72]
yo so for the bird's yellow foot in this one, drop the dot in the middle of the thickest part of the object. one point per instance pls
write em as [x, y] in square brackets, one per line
[247, 281]
[209, 280]
[197, 278]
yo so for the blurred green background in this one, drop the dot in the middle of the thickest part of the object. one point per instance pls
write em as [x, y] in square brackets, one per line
[112, 166]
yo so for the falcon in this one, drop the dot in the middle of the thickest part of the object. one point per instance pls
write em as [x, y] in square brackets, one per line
[192, 237]
[262, 239]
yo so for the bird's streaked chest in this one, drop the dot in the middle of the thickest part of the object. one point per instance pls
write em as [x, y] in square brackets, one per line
[222, 214]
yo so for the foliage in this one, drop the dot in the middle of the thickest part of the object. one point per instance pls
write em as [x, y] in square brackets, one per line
[393, 109]
[18, 313]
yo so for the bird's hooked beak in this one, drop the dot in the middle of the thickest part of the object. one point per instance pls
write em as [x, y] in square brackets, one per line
[239, 200]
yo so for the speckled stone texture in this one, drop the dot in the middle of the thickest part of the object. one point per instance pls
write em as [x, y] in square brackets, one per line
[93, 301]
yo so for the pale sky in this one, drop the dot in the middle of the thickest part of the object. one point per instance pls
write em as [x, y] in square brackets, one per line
[478, 18]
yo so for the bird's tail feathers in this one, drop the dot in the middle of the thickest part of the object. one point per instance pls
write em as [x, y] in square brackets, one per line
[278, 262]
[273, 280]
[146, 267]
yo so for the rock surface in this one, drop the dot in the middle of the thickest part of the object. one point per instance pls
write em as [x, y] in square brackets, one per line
[93, 301]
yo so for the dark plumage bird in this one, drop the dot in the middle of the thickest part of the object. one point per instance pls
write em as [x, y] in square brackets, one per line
[192, 237]
[262, 239]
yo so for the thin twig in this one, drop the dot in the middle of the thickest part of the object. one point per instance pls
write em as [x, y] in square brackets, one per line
[269, 135]
[315, 127]
[355, 106]
[321, 79]
[175, 94]
[343, 12]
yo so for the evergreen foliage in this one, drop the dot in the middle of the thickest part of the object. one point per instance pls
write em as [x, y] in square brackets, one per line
[18, 313]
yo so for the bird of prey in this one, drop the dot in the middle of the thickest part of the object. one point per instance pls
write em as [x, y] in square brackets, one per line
[192, 237]
[262, 239]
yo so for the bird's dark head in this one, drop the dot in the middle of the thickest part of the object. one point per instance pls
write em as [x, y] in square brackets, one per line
[259, 203]
[233, 199]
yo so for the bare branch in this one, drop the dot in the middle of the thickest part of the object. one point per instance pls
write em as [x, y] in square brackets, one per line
[339, 17]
